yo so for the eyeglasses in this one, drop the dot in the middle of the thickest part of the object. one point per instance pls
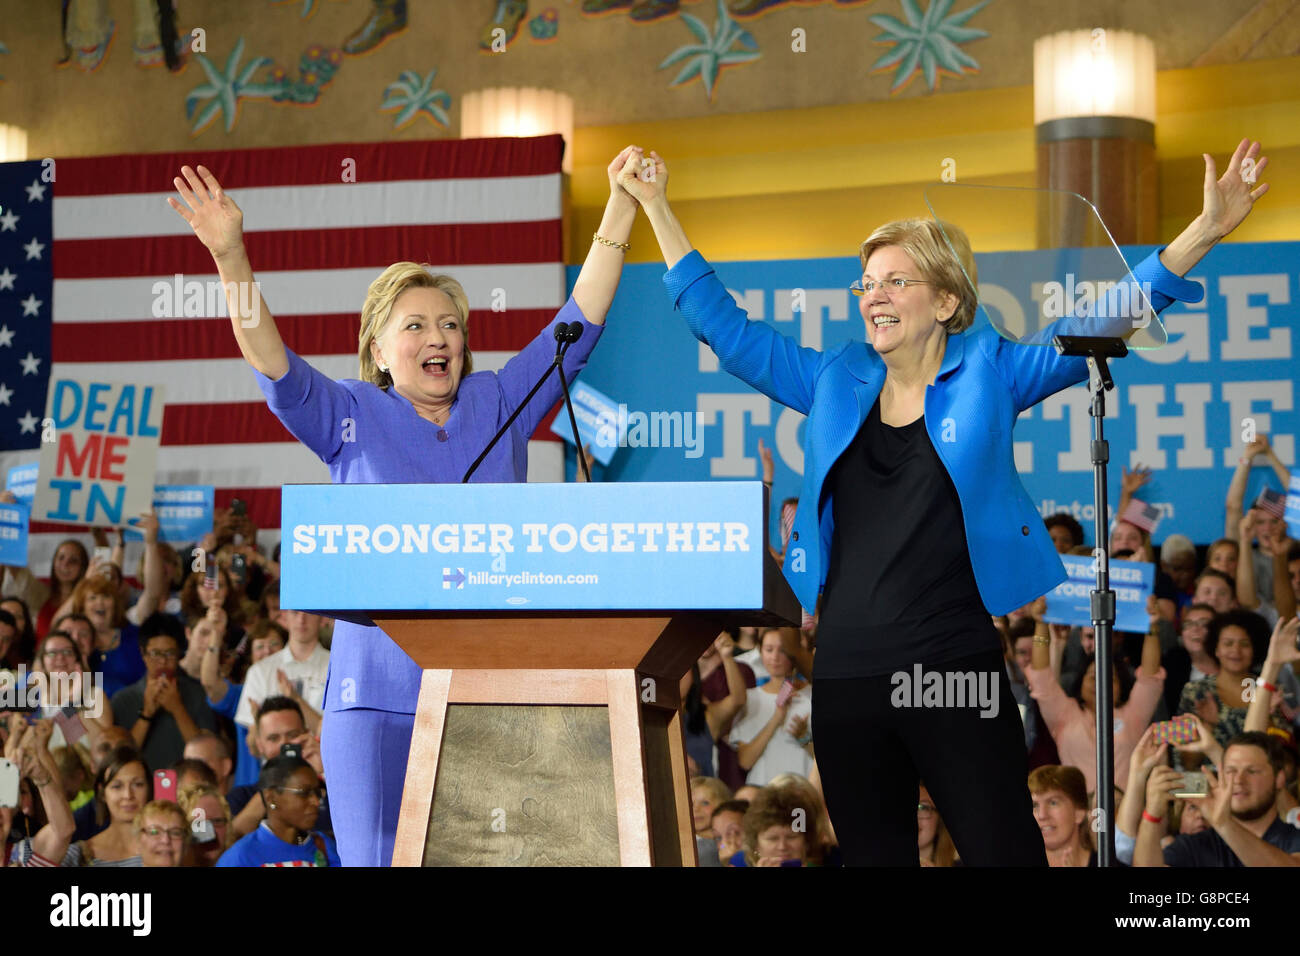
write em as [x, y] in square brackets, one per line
[925, 808]
[172, 833]
[889, 286]
[163, 655]
[60, 652]
[1196, 625]
[317, 792]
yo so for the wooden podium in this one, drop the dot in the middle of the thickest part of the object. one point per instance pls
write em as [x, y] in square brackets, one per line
[554, 737]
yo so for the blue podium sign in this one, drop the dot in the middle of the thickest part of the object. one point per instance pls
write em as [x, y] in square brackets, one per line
[629, 545]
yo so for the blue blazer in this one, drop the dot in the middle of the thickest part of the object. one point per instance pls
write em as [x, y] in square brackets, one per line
[984, 384]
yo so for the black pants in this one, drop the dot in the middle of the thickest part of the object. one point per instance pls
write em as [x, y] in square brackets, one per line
[872, 755]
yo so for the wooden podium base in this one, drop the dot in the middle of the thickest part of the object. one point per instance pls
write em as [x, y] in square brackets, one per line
[545, 768]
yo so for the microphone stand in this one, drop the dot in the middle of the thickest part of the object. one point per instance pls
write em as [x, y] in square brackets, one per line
[565, 335]
[575, 332]
[1096, 350]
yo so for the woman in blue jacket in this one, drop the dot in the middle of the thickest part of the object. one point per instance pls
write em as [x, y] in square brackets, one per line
[915, 527]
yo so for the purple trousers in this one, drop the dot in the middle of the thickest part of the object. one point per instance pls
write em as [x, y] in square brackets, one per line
[365, 754]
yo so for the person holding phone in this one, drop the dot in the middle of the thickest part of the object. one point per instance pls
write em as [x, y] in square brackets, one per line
[1240, 808]
[420, 414]
[772, 733]
[166, 707]
[912, 541]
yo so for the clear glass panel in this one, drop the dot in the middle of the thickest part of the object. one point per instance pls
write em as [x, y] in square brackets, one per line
[1082, 283]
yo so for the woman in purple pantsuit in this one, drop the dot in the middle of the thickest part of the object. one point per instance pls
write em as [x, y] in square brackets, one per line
[419, 414]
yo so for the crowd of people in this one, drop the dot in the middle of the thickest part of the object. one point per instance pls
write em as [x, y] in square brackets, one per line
[188, 730]
[1216, 663]
[168, 720]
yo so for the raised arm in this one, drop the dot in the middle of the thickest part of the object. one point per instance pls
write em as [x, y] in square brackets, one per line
[598, 281]
[719, 714]
[154, 594]
[754, 352]
[1227, 202]
[1247, 596]
[219, 224]
[1281, 650]
[1235, 503]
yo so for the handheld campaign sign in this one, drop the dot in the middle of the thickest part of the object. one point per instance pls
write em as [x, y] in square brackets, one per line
[598, 423]
[1132, 582]
[13, 535]
[22, 482]
[1293, 508]
[184, 513]
[689, 545]
[98, 465]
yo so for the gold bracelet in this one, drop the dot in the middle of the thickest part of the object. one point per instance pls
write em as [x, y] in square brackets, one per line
[597, 237]
[1042, 641]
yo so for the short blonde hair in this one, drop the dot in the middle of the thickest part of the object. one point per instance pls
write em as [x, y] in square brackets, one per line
[927, 243]
[378, 309]
[161, 808]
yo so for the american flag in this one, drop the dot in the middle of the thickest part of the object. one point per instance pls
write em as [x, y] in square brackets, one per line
[1272, 502]
[82, 263]
[1141, 514]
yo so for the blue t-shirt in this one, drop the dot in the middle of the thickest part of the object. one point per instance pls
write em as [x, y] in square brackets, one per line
[123, 665]
[264, 848]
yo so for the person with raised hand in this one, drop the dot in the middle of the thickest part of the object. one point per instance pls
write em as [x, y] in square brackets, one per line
[418, 414]
[1240, 808]
[912, 540]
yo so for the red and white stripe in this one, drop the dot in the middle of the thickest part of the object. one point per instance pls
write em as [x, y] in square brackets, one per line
[488, 212]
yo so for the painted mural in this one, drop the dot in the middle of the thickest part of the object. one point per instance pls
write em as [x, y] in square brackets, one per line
[623, 61]
[88, 34]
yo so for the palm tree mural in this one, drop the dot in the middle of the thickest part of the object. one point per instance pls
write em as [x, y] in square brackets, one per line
[706, 58]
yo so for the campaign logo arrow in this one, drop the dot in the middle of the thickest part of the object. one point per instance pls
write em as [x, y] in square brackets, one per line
[448, 578]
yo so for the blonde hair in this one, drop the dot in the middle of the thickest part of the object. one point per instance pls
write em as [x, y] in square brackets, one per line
[378, 309]
[714, 787]
[161, 808]
[927, 243]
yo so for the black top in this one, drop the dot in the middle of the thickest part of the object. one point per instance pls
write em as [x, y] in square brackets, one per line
[163, 744]
[900, 589]
[1207, 848]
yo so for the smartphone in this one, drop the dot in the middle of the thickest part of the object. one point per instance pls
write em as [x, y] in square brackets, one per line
[238, 508]
[785, 693]
[291, 750]
[1193, 787]
[238, 568]
[103, 555]
[1180, 730]
[8, 783]
[210, 571]
[164, 785]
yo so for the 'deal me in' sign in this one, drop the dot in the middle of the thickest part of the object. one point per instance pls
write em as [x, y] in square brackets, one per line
[99, 451]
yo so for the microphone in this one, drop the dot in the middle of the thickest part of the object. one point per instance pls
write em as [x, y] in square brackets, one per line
[566, 334]
[572, 334]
